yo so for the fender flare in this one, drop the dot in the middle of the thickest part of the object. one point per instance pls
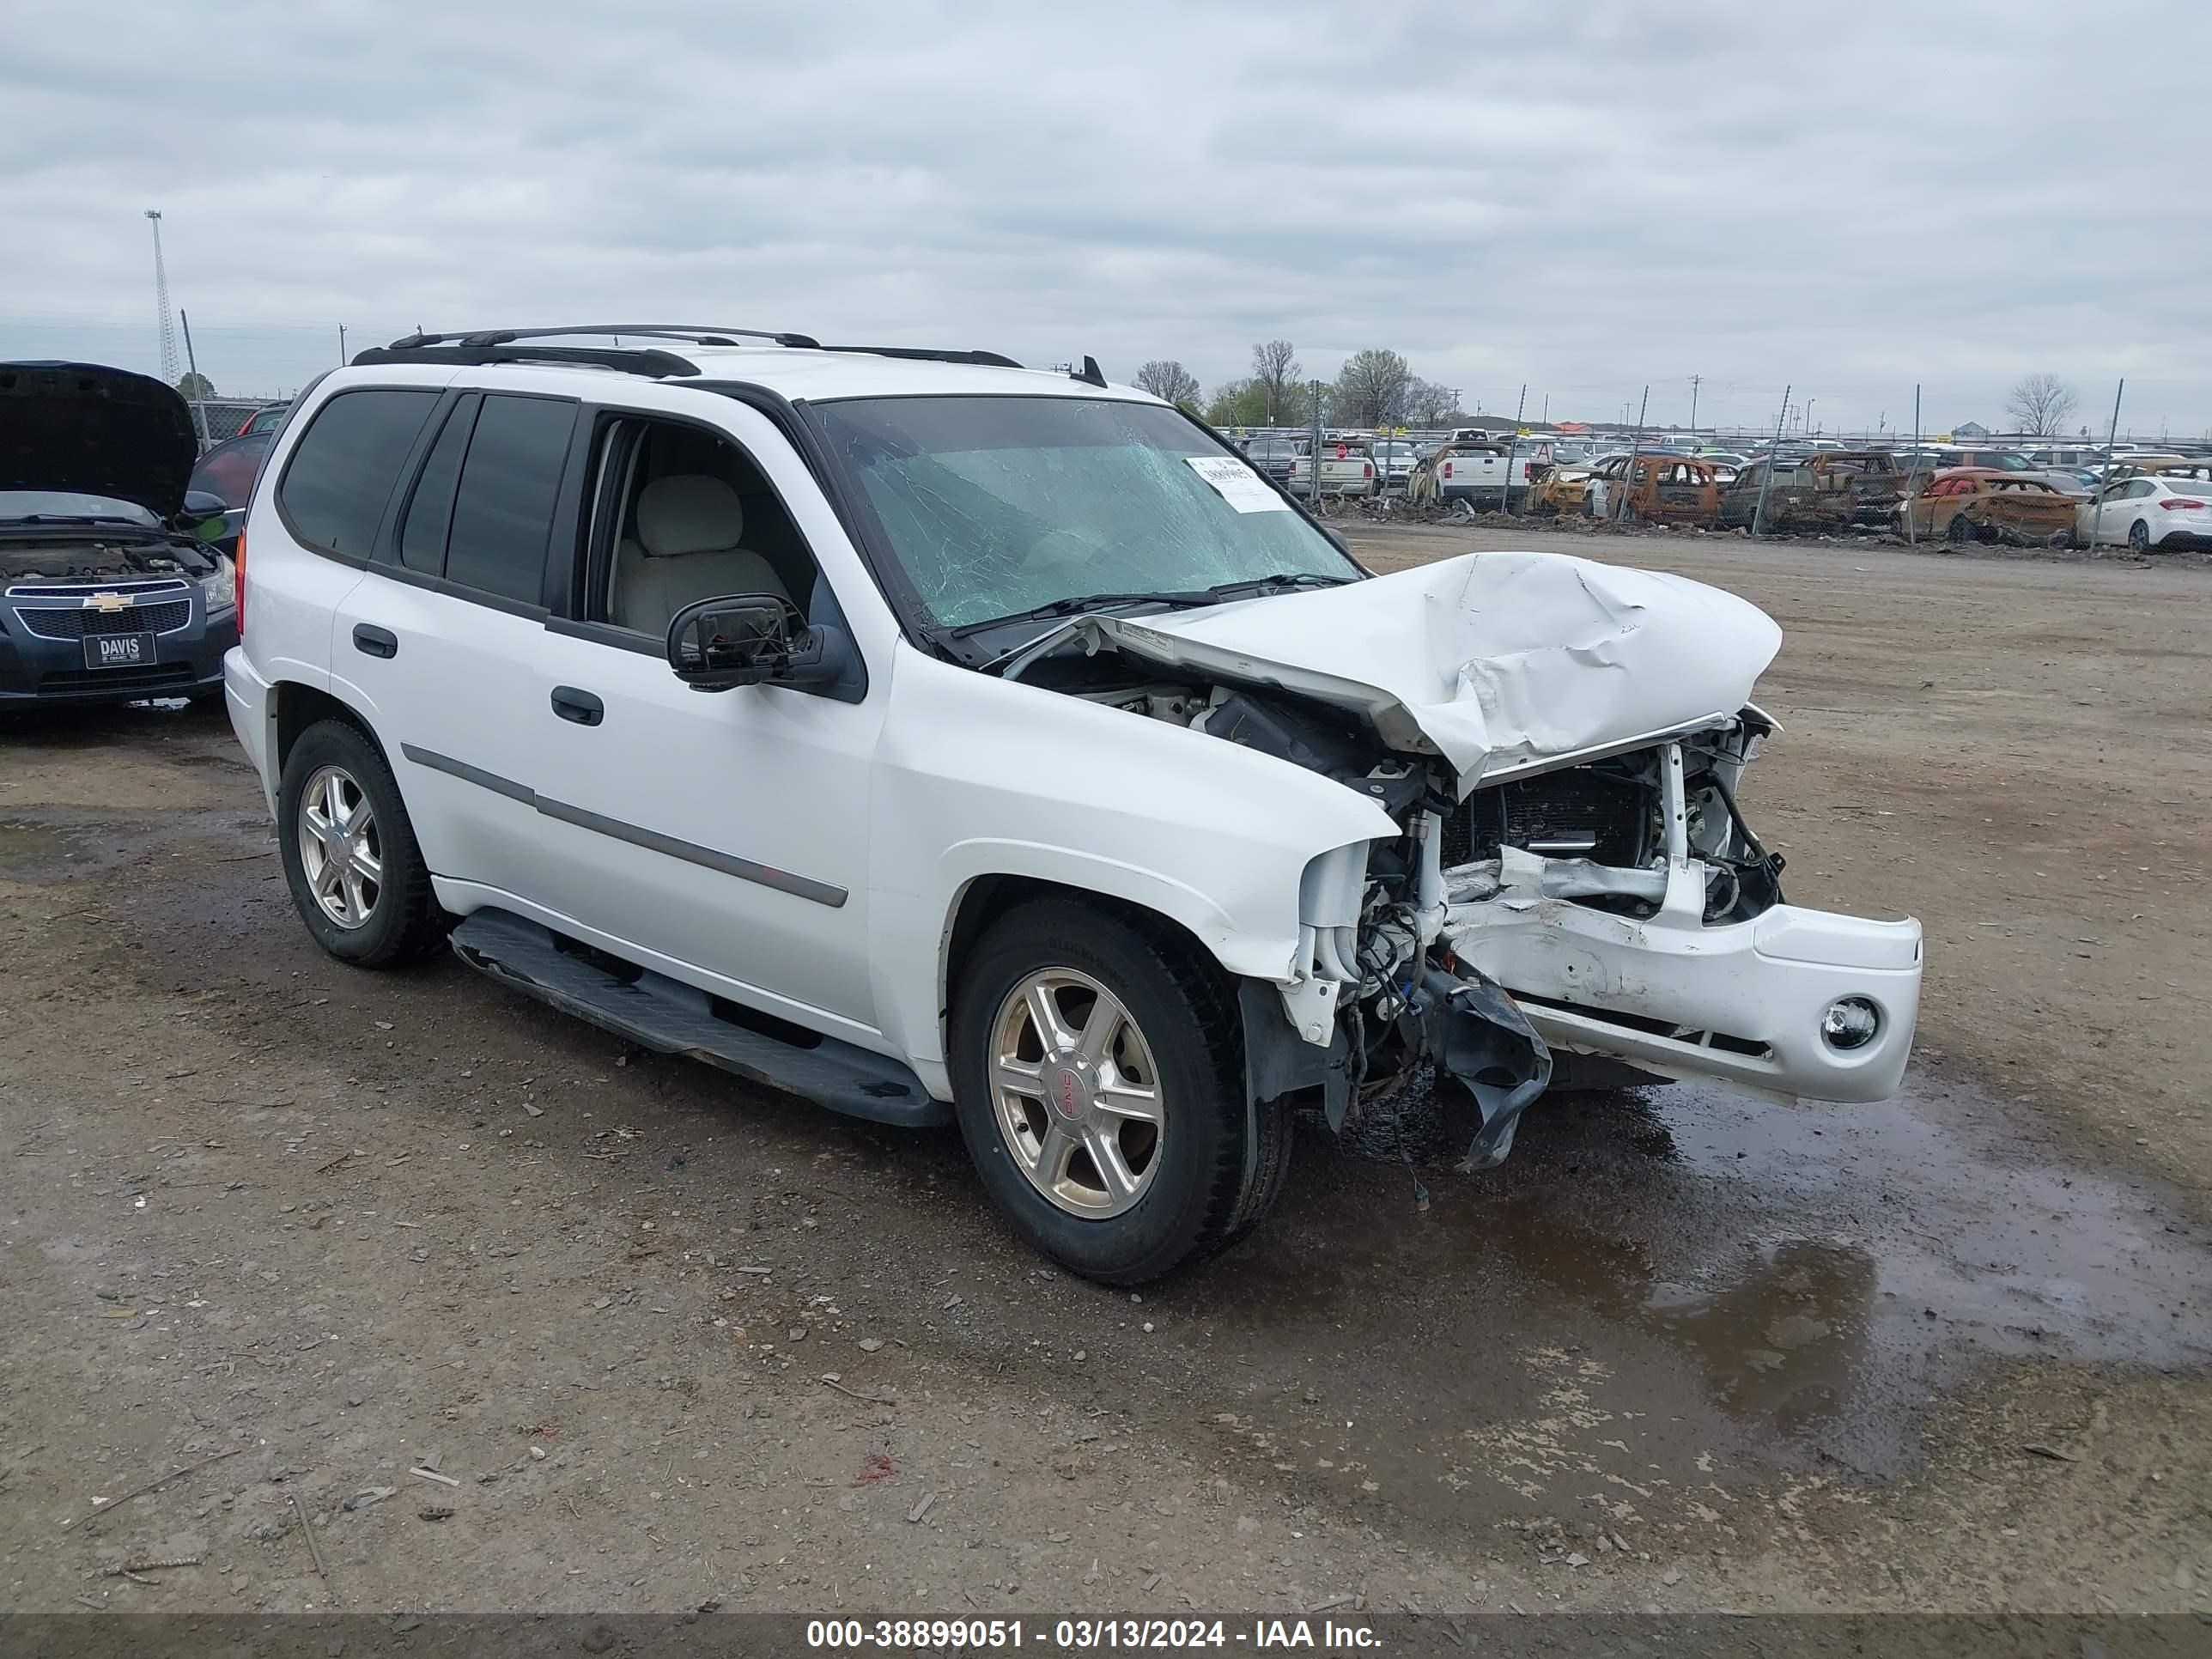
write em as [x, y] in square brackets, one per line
[1233, 944]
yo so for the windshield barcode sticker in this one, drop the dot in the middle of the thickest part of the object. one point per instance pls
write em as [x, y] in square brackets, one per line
[1238, 484]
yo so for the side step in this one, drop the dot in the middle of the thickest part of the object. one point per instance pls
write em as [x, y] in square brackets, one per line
[671, 1018]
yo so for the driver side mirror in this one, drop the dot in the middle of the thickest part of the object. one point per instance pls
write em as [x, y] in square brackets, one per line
[752, 639]
[203, 515]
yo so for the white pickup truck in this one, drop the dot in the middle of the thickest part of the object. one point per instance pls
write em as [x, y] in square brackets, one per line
[1467, 470]
[1347, 468]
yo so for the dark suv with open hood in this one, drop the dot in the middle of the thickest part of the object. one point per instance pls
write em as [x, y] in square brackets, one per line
[107, 593]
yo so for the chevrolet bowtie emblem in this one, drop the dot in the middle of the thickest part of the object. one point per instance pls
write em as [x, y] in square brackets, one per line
[108, 602]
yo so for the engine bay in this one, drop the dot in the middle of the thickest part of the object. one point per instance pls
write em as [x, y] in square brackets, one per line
[1390, 927]
[101, 556]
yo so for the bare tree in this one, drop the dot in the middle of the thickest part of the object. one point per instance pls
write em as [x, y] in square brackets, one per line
[2040, 405]
[1430, 404]
[1275, 373]
[1166, 378]
[1372, 388]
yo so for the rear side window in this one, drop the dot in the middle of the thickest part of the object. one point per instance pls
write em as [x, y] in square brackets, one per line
[342, 472]
[509, 483]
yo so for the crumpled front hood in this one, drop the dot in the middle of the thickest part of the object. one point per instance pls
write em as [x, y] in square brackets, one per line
[95, 431]
[1495, 661]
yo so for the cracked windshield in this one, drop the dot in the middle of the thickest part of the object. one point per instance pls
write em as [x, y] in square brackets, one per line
[998, 506]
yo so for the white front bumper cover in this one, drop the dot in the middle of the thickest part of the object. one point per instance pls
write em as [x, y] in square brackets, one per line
[1742, 1002]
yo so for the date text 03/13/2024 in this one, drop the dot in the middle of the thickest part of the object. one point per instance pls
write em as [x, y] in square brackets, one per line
[1326, 1636]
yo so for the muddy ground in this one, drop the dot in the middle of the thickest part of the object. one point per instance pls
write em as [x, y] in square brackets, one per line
[670, 1341]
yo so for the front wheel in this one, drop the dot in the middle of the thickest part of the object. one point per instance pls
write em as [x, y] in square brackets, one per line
[1098, 1080]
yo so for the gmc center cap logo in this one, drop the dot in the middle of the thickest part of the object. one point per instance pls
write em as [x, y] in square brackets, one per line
[1066, 1090]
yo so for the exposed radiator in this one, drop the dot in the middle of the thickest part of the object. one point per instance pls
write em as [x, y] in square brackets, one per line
[1578, 813]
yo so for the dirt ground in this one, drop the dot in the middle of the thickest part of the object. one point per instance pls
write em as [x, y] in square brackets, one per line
[670, 1341]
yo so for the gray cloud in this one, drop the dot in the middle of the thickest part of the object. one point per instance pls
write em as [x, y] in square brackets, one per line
[1848, 200]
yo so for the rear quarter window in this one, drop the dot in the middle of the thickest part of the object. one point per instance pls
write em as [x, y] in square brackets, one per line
[342, 472]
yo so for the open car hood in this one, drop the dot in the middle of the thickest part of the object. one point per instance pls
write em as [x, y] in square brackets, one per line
[95, 431]
[1499, 662]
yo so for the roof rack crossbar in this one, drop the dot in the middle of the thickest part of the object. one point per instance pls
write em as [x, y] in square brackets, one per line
[654, 364]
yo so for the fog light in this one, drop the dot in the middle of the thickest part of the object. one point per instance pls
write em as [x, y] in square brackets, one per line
[1849, 1023]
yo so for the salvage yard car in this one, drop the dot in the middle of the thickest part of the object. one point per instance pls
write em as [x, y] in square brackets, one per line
[1394, 462]
[1464, 469]
[2160, 511]
[1970, 504]
[108, 592]
[1822, 491]
[1272, 455]
[946, 741]
[1347, 468]
[226, 474]
[1663, 489]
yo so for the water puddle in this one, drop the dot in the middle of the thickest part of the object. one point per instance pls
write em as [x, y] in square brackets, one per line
[1662, 1289]
[58, 844]
[29, 849]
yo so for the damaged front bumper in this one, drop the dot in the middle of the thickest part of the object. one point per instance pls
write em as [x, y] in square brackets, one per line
[1747, 1002]
[1679, 960]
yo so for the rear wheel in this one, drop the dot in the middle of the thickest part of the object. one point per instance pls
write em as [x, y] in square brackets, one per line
[1961, 530]
[357, 876]
[1098, 1080]
[2139, 537]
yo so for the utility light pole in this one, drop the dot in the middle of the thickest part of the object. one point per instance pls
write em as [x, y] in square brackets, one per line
[170, 367]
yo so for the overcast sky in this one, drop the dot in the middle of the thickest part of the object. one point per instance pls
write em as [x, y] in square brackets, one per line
[1586, 199]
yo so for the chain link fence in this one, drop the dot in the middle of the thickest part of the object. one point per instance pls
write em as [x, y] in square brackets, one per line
[218, 418]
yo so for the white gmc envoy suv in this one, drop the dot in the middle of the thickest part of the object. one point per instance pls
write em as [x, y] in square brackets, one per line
[940, 739]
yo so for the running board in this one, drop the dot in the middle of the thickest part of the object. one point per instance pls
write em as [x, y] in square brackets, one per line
[671, 1018]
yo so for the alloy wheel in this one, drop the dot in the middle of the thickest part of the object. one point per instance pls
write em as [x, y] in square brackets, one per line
[340, 848]
[1076, 1093]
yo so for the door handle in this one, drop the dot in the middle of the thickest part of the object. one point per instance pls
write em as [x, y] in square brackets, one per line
[375, 642]
[581, 706]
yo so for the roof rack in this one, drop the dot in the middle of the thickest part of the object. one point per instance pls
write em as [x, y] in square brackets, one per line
[930, 354]
[697, 333]
[511, 345]
[656, 365]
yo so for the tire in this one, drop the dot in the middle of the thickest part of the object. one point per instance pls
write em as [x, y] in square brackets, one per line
[1205, 1170]
[2139, 537]
[1960, 532]
[398, 916]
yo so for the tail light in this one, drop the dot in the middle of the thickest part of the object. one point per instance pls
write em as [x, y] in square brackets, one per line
[2182, 504]
[238, 580]
[1367, 470]
[1447, 468]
